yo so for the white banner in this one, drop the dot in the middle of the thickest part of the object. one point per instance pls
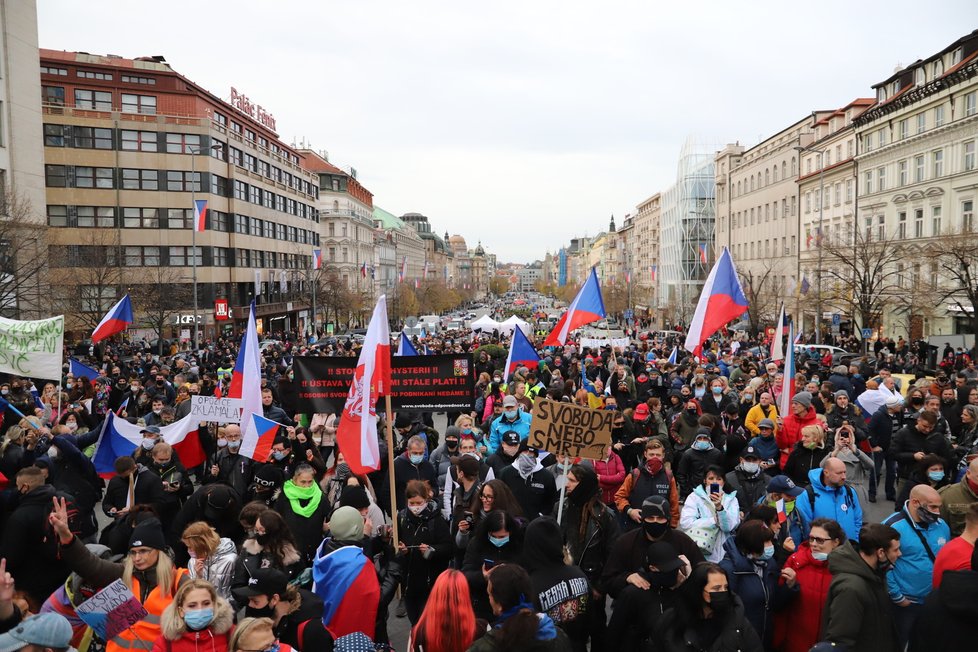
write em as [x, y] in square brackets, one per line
[620, 343]
[218, 410]
[32, 348]
[257, 282]
[283, 282]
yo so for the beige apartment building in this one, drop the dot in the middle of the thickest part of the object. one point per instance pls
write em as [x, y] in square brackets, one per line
[645, 253]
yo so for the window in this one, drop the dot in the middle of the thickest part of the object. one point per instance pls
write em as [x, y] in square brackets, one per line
[969, 155]
[938, 116]
[969, 103]
[901, 279]
[848, 191]
[241, 223]
[184, 256]
[244, 258]
[938, 163]
[54, 136]
[850, 147]
[869, 228]
[902, 173]
[134, 79]
[141, 256]
[221, 119]
[92, 216]
[967, 215]
[92, 138]
[255, 195]
[881, 227]
[918, 171]
[220, 256]
[180, 181]
[97, 100]
[808, 166]
[935, 220]
[237, 157]
[240, 190]
[182, 143]
[178, 218]
[132, 103]
[55, 176]
[50, 70]
[921, 122]
[57, 216]
[881, 138]
[902, 225]
[881, 179]
[905, 128]
[868, 186]
[138, 141]
[87, 177]
[918, 223]
[133, 179]
[140, 218]
[92, 74]
[54, 95]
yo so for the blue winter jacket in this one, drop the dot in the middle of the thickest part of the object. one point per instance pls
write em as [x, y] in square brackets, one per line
[756, 583]
[501, 426]
[912, 575]
[839, 504]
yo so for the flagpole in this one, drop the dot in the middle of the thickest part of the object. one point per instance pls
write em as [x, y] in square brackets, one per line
[193, 232]
[390, 467]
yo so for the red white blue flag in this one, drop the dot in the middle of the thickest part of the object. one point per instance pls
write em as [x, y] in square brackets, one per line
[347, 582]
[200, 215]
[115, 321]
[788, 386]
[703, 253]
[721, 301]
[587, 307]
[317, 258]
[246, 385]
[521, 352]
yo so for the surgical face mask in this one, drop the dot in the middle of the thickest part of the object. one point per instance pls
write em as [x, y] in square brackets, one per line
[499, 542]
[701, 445]
[198, 619]
[717, 390]
[416, 459]
[67, 385]
[157, 410]
[72, 426]
[810, 445]
[820, 556]
[936, 476]
[526, 463]
[134, 388]
[234, 445]
[53, 452]
[511, 414]
[5, 392]
[750, 468]
[222, 442]
[700, 392]
[278, 455]
[748, 397]
[497, 380]
[148, 443]
[768, 552]
[416, 509]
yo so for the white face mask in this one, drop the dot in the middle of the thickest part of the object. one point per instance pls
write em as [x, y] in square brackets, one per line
[72, 426]
[416, 509]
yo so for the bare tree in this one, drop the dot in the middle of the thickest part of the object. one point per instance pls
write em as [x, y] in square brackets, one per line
[159, 295]
[956, 255]
[764, 291]
[23, 258]
[863, 275]
[88, 287]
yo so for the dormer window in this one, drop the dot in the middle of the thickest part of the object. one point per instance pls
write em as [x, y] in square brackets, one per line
[881, 94]
[919, 76]
[938, 68]
[956, 56]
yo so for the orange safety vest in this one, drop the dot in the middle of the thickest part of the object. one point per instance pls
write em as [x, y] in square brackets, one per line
[143, 634]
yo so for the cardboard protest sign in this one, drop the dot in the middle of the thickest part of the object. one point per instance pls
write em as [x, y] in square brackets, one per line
[111, 611]
[219, 410]
[426, 383]
[567, 428]
[32, 348]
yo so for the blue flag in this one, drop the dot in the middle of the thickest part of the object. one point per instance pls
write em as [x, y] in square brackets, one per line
[406, 348]
[79, 369]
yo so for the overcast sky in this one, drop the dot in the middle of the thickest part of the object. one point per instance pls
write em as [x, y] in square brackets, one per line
[520, 124]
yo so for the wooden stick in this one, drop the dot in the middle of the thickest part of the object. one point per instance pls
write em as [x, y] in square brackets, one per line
[390, 468]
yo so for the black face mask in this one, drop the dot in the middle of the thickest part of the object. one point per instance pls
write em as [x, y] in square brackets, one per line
[264, 612]
[721, 601]
[664, 580]
[655, 530]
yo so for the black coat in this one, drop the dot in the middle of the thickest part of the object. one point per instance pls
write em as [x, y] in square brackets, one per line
[910, 440]
[306, 530]
[801, 461]
[30, 548]
[736, 633]
[949, 619]
[431, 528]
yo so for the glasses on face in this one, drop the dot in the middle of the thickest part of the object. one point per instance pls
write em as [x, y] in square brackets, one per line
[140, 552]
[272, 647]
[487, 497]
[818, 540]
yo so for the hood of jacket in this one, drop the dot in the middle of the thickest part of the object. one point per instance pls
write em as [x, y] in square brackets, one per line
[252, 547]
[173, 627]
[815, 477]
[846, 560]
[429, 512]
[40, 496]
[225, 547]
[543, 545]
[957, 594]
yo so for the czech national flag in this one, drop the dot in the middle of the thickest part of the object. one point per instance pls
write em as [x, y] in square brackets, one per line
[653, 269]
[317, 258]
[120, 438]
[587, 307]
[406, 348]
[246, 384]
[79, 369]
[200, 215]
[115, 321]
[788, 386]
[703, 253]
[721, 301]
[259, 447]
[347, 582]
[403, 274]
[674, 356]
[521, 352]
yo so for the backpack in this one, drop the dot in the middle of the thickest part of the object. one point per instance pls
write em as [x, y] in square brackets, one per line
[810, 491]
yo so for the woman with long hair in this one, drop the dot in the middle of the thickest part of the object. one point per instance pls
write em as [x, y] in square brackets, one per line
[498, 539]
[212, 557]
[305, 511]
[256, 635]
[271, 547]
[198, 620]
[707, 616]
[147, 570]
[447, 623]
[518, 627]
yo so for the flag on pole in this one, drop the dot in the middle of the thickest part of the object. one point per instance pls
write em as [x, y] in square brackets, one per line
[674, 356]
[363, 269]
[417, 284]
[703, 253]
[425, 274]
[405, 348]
[263, 432]
[357, 433]
[200, 215]
[788, 386]
[722, 300]
[122, 408]
[119, 438]
[521, 352]
[283, 281]
[805, 285]
[628, 278]
[798, 337]
[587, 307]
[403, 274]
[777, 346]
[115, 321]
[80, 369]
[317, 258]
[246, 385]
[653, 269]
[257, 282]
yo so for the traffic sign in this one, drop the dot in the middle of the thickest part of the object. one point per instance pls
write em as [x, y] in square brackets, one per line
[867, 333]
[836, 319]
[629, 314]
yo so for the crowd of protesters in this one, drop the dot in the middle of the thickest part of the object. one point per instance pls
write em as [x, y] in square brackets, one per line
[713, 521]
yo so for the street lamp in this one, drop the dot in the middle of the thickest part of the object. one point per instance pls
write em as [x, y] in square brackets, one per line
[194, 151]
[818, 238]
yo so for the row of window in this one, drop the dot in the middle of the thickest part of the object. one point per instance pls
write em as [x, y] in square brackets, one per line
[750, 217]
[96, 100]
[756, 181]
[256, 165]
[917, 168]
[875, 226]
[130, 217]
[919, 122]
[765, 248]
[98, 74]
[251, 136]
[836, 194]
[62, 256]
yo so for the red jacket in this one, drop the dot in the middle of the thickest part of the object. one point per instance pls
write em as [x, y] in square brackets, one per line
[798, 625]
[790, 433]
[610, 476]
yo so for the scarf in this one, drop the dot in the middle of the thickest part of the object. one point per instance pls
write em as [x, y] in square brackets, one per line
[296, 495]
[512, 611]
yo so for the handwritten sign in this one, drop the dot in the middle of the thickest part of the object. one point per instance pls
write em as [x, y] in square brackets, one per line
[566, 428]
[219, 410]
[32, 348]
[620, 343]
[111, 611]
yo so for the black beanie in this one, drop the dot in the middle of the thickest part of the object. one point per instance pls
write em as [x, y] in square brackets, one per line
[148, 534]
[355, 497]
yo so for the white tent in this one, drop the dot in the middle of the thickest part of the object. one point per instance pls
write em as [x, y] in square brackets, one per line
[484, 323]
[514, 322]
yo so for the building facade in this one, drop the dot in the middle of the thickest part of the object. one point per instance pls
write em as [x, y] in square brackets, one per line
[645, 253]
[128, 145]
[409, 250]
[918, 178]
